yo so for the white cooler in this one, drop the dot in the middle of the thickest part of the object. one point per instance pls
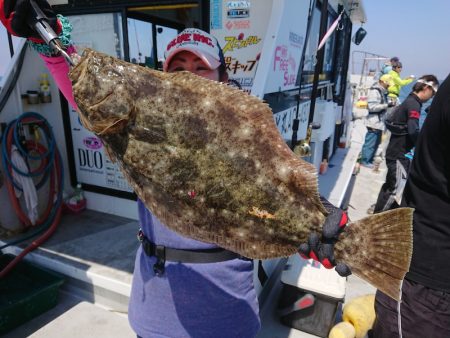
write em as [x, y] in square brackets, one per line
[310, 296]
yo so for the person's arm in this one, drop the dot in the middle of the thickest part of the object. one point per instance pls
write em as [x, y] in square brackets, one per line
[413, 124]
[57, 65]
[401, 82]
[374, 101]
[59, 69]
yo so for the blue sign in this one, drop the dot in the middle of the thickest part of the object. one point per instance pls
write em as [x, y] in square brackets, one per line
[216, 14]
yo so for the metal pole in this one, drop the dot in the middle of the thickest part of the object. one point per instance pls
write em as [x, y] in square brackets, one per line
[300, 73]
[11, 46]
[155, 46]
[205, 14]
[320, 55]
[126, 44]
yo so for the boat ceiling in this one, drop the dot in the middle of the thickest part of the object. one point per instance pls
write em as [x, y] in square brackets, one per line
[354, 7]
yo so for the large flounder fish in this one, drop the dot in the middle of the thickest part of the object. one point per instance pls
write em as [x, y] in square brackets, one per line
[209, 162]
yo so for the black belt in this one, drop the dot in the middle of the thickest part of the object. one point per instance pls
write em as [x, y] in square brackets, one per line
[164, 254]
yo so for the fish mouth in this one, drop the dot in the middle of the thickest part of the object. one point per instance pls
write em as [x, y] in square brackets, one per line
[76, 73]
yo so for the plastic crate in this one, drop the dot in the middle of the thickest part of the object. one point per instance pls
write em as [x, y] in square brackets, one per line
[25, 292]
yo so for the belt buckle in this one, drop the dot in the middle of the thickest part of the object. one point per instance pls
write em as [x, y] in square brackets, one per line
[140, 235]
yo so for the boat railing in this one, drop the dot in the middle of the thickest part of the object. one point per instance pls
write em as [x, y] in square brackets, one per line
[367, 62]
[366, 67]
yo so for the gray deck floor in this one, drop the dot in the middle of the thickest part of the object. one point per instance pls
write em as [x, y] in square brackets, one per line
[94, 247]
[73, 318]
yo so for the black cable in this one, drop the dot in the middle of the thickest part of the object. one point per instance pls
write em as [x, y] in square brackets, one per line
[7, 94]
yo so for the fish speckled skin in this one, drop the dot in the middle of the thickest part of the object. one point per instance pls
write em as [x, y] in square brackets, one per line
[209, 162]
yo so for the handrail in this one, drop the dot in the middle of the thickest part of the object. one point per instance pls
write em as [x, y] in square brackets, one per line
[366, 56]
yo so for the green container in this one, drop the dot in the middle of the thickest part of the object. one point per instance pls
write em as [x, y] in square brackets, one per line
[25, 292]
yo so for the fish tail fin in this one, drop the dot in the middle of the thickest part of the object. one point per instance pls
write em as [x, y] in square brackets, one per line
[378, 249]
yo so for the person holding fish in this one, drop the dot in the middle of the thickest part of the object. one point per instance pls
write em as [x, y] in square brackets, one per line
[185, 285]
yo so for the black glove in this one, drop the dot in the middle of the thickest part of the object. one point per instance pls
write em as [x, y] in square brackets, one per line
[322, 249]
[391, 103]
[14, 14]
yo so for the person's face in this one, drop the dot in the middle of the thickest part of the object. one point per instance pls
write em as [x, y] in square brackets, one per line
[192, 63]
[428, 93]
[398, 69]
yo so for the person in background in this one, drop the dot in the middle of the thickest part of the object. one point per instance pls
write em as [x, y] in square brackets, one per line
[387, 67]
[404, 132]
[377, 105]
[398, 82]
[208, 291]
[410, 154]
[425, 305]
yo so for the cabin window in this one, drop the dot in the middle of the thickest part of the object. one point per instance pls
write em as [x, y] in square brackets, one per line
[328, 61]
[140, 42]
[163, 36]
[311, 49]
[102, 32]
[341, 60]
[148, 37]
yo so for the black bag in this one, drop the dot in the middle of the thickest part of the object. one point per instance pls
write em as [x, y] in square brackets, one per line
[394, 123]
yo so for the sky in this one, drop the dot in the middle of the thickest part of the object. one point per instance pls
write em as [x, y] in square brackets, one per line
[416, 31]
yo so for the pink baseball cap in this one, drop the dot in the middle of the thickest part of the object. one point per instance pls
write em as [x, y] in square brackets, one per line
[196, 41]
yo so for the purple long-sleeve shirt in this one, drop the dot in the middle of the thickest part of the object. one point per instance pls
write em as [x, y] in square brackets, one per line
[190, 300]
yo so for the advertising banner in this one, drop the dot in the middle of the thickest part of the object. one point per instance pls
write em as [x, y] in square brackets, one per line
[92, 164]
[240, 27]
[285, 119]
[288, 48]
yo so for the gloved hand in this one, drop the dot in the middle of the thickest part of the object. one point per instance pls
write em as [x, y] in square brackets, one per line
[14, 15]
[322, 249]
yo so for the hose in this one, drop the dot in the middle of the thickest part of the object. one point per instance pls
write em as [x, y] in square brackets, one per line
[49, 169]
[25, 147]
